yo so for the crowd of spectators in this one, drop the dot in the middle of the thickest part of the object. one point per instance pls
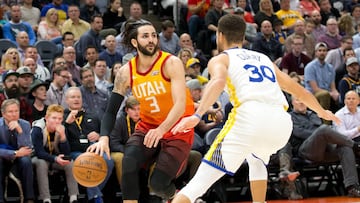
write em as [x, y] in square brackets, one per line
[315, 42]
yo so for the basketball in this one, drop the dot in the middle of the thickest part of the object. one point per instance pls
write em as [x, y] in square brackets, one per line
[89, 169]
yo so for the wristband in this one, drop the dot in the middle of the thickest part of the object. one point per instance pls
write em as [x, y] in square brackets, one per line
[197, 115]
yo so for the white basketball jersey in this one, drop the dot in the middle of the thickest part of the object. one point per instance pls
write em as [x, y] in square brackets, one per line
[251, 77]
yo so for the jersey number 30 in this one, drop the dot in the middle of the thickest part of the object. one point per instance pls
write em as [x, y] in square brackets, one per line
[259, 73]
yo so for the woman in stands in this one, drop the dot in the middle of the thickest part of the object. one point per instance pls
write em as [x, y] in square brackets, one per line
[50, 27]
[10, 60]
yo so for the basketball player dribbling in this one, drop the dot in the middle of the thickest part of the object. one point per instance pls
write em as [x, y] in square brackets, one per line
[157, 81]
[258, 124]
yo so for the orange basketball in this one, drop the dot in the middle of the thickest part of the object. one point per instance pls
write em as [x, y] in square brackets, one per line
[89, 169]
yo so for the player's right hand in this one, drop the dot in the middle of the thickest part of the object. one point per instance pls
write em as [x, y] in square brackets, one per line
[185, 124]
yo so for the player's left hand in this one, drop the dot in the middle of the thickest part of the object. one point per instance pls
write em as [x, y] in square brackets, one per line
[185, 124]
[153, 137]
[328, 115]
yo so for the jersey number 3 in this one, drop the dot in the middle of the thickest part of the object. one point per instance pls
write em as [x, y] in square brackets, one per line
[258, 74]
[154, 104]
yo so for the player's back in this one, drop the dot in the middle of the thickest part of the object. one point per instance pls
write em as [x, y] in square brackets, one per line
[251, 77]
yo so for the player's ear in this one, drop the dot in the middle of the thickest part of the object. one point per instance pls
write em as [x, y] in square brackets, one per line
[134, 42]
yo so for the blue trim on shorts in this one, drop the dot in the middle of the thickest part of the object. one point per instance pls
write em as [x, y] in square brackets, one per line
[218, 167]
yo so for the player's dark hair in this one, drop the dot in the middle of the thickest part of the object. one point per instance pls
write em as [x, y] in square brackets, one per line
[131, 32]
[232, 27]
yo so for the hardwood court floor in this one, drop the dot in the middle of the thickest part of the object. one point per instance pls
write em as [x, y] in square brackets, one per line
[343, 199]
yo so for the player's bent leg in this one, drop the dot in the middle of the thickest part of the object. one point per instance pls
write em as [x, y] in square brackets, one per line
[205, 176]
[258, 178]
[130, 178]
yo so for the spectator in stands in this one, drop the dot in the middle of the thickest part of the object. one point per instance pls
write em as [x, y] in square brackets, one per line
[266, 12]
[17, 150]
[55, 93]
[351, 80]
[322, 144]
[10, 60]
[91, 37]
[341, 70]
[212, 17]
[74, 24]
[25, 79]
[309, 27]
[94, 99]
[193, 68]
[22, 39]
[308, 42]
[67, 40]
[60, 62]
[49, 27]
[356, 37]
[185, 41]
[288, 16]
[355, 14]
[319, 78]
[91, 55]
[135, 11]
[345, 25]
[59, 6]
[319, 28]
[280, 35]
[50, 144]
[335, 56]
[266, 44]
[250, 30]
[350, 117]
[113, 72]
[88, 10]
[41, 72]
[184, 55]
[29, 62]
[82, 129]
[69, 55]
[123, 128]
[327, 11]
[197, 10]
[248, 16]
[331, 37]
[169, 40]
[114, 16]
[37, 97]
[211, 119]
[308, 6]
[30, 14]
[296, 60]
[15, 25]
[101, 81]
[110, 54]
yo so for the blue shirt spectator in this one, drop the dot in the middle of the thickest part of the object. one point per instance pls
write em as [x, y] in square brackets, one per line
[13, 27]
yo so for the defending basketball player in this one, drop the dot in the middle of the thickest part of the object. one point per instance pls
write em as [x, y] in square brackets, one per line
[258, 125]
[157, 80]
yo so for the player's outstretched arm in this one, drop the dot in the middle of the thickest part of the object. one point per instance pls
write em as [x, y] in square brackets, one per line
[295, 89]
[121, 84]
[218, 70]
